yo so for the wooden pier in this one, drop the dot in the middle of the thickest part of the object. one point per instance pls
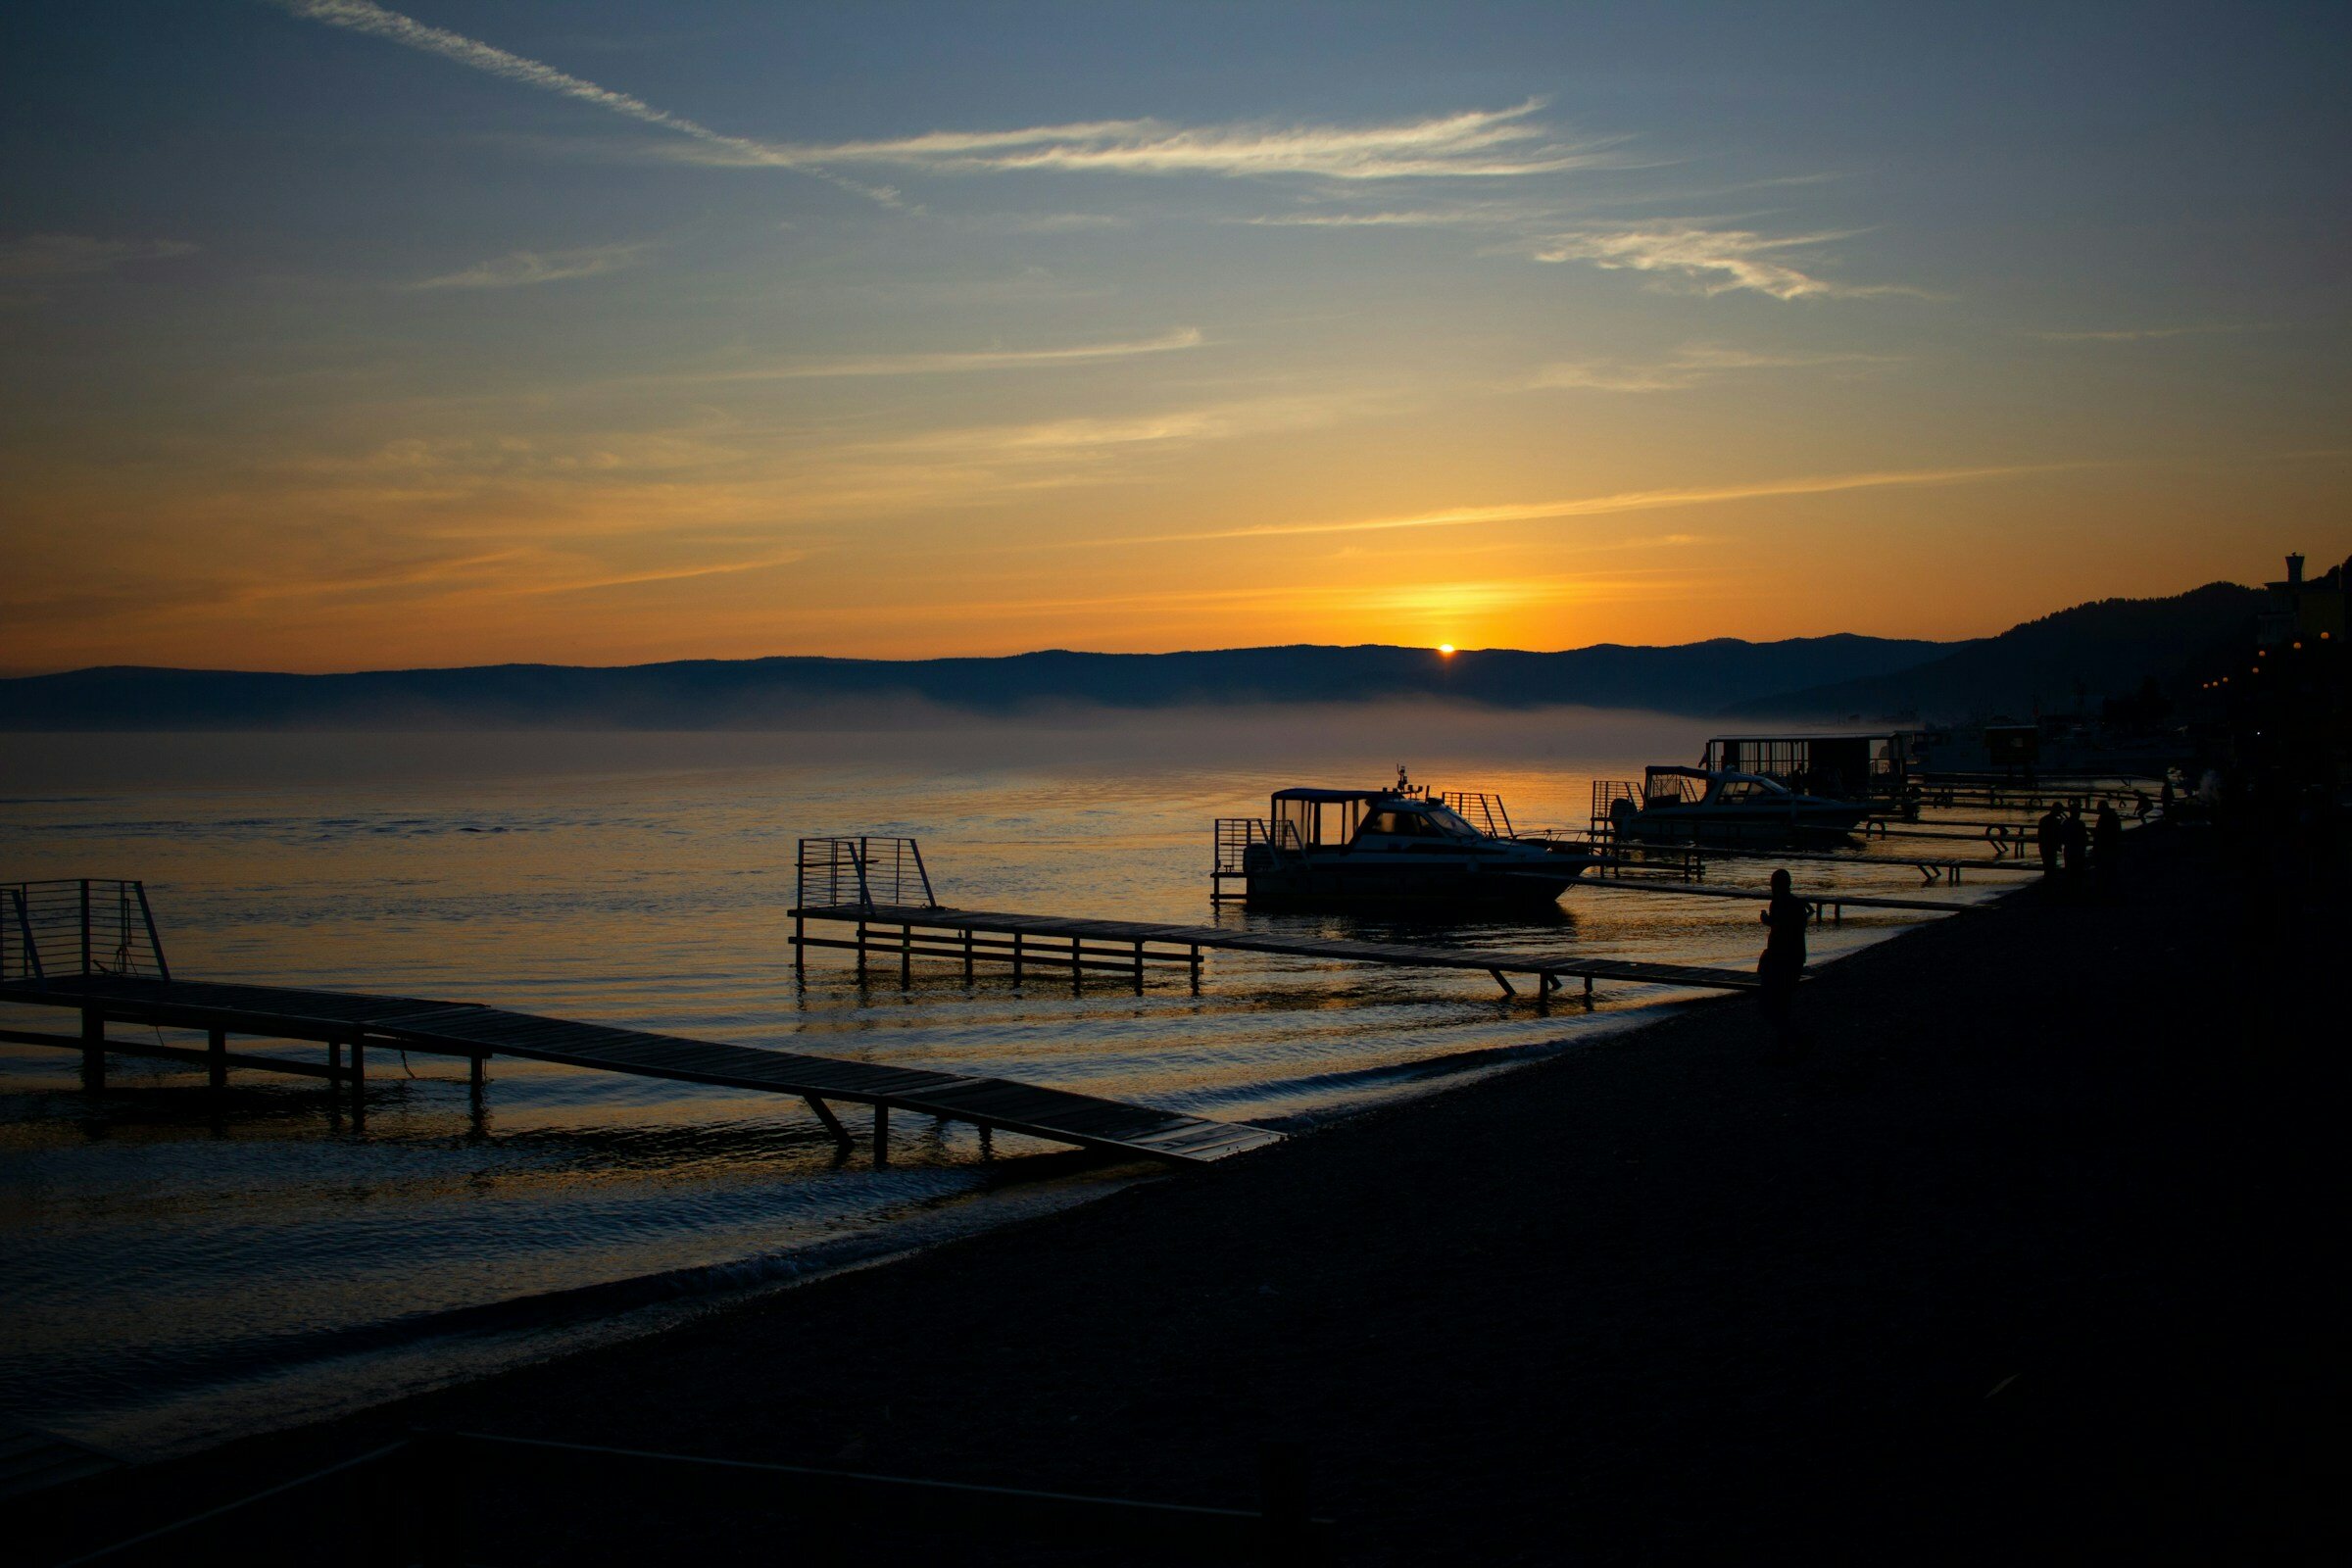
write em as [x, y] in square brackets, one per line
[1826, 905]
[880, 890]
[71, 961]
[1945, 868]
[1063, 945]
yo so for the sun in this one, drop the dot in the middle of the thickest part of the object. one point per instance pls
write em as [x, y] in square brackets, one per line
[1446, 648]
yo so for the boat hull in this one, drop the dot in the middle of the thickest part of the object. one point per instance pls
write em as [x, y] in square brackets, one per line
[1343, 882]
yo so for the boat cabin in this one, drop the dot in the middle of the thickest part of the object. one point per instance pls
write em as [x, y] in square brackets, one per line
[1670, 786]
[1319, 818]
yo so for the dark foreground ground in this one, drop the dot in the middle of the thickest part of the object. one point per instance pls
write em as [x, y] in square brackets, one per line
[2033, 1255]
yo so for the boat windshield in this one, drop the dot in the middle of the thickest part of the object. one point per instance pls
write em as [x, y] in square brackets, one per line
[1421, 822]
[1450, 823]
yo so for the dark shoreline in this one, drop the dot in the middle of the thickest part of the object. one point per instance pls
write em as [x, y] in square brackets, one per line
[2028, 1252]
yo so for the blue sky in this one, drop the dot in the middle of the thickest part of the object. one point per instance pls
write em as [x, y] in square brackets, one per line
[349, 336]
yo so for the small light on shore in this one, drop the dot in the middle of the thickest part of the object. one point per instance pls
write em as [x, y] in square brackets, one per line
[1445, 649]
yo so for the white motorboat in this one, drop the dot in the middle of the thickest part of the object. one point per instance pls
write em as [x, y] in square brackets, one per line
[1719, 806]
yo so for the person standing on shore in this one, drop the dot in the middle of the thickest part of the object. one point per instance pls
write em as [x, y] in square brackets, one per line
[2048, 833]
[1782, 961]
[2075, 845]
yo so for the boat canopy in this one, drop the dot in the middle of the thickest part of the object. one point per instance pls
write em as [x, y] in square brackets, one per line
[1308, 817]
[1665, 782]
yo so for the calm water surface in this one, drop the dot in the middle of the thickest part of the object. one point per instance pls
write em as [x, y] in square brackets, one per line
[180, 1270]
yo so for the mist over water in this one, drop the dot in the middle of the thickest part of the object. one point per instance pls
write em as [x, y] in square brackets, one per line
[182, 1269]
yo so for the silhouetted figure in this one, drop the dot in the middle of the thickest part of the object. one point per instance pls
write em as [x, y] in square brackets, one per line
[2107, 847]
[2074, 845]
[2141, 806]
[2048, 834]
[1783, 960]
[2164, 798]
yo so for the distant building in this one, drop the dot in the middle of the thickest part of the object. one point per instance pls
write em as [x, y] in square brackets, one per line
[2303, 609]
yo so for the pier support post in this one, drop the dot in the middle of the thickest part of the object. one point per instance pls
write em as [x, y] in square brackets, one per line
[824, 1114]
[1077, 974]
[1016, 958]
[359, 1079]
[800, 947]
[93, 1050]
[216, 1050]
[967, 956]
[1139, 968]
[1194, 967]
[861, 953]
[881, 1136]
[474, 1075]
[1505, 981]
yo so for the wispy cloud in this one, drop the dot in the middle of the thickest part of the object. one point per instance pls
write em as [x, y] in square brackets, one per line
[30, 266]
[1602, 506]
[1478, 143]
[1466, 217]
[524, 268]
[40, 258]
[1058, 223]
[1692, 364]
[1719, 260]
[2144, 334]
[1062, 439]
[956, 362]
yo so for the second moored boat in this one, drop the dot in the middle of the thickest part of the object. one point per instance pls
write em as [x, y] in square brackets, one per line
[1342, 848]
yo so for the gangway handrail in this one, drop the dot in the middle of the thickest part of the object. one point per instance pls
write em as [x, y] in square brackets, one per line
[58, 930]
[865, 861]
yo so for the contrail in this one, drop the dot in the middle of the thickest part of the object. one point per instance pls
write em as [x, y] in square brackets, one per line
[363, 16]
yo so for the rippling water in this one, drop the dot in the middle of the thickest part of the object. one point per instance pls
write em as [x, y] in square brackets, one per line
[182, 1269]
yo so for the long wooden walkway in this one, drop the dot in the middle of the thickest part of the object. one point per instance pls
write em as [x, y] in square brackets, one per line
[904, 932]
[352, 1020]
[1821, 899]
[1931, 867]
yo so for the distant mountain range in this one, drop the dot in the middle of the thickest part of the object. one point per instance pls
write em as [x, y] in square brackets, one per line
[2107, 646]
[2103, 649]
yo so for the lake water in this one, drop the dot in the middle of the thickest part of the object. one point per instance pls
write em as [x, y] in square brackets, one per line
[183, 1267]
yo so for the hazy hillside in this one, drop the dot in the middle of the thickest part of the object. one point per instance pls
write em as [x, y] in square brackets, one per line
[1696, 678]
[2106, 648]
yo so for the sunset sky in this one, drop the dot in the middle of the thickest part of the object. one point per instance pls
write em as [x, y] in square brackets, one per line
[341, 337]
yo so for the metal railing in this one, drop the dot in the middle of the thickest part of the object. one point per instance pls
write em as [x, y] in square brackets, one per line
[1235, 835]
[1482, 810]
[863, 870]
[1606, 792]
[72, 928]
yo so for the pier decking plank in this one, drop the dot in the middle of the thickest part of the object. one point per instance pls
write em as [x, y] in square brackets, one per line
[467, 1029]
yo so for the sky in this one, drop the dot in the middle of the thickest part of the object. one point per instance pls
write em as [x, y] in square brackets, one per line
[343, 336]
